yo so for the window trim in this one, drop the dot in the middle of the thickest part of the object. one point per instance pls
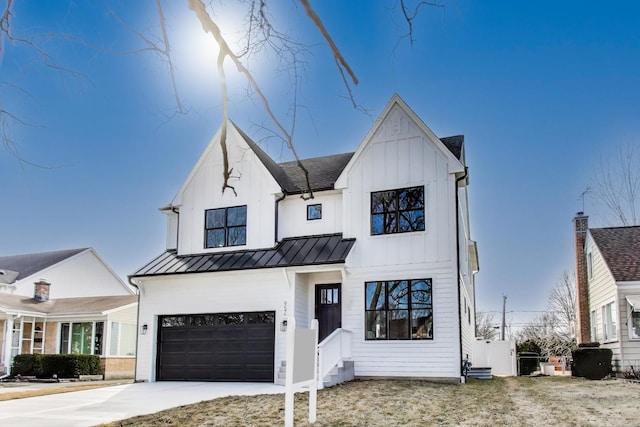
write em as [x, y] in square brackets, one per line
[594, 325]
[609, 322]
[309, 207]
[632, 335]
[589, 266]
[397, 211]
[409, 309]
[225, 228]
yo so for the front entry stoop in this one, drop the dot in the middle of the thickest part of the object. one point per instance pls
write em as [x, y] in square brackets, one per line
[337, 375]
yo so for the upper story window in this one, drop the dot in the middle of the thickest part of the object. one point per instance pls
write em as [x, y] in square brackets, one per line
[314, 212]
[397, 211]
[225, 227]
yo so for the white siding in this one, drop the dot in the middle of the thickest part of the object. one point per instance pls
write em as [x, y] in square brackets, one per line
[256, 290]
[83, 275]
[630, 347]
[128, 315]
[602, 291]
[436, 358]
[292, 216]
[254, 186]
[400, 155]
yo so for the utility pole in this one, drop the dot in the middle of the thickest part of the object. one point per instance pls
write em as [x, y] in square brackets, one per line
[504, 310]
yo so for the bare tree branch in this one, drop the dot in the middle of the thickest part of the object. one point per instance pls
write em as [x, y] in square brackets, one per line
[617, 185]
[210, 26]
[409, 17]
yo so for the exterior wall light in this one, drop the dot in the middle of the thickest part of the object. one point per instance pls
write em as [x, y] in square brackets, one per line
[143, 330]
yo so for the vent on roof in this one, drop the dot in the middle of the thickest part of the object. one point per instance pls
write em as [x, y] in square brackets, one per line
[41, 290]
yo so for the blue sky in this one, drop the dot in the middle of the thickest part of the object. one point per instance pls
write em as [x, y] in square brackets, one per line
[539, 89]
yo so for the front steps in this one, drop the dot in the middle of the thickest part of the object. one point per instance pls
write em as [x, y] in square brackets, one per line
[480, 373]
[337, 375]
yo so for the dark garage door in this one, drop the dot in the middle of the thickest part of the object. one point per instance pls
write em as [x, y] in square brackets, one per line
[216, 347]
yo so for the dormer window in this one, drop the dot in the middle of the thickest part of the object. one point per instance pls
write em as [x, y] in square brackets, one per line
[314, 212]
[225, 227]
[397, 211]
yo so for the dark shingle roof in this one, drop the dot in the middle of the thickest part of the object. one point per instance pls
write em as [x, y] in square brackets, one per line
[296, 251]
[323, 171]
[454, 144]
[66, 306]
[620, 247]
[28, 264]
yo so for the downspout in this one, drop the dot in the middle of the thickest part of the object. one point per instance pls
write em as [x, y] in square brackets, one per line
[278, 200]
[464, 176]
[135, 365]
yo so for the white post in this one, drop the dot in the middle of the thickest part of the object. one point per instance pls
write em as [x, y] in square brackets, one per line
[8, 340]
[288, 393]
[313, 388]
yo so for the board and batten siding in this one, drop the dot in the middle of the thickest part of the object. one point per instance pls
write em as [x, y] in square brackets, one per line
[602, 291]
[244, 291]
[203, 190]
[292, 215]
[399, 155]
[436, 358]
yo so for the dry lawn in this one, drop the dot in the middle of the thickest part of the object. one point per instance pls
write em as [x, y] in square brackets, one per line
[16, 393]
[546, 401]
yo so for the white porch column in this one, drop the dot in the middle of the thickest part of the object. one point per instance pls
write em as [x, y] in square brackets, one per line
[8, 339]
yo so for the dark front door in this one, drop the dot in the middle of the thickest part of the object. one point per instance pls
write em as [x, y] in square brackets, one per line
[328, 309]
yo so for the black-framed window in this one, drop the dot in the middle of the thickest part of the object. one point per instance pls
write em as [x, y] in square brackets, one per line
[398, 310]
[314, 212]
[397, 211]
[225, 227]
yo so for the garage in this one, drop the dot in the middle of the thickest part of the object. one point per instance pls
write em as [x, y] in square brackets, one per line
[216, 347]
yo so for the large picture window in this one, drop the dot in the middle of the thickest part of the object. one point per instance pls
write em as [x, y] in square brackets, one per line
[226, 227]
[81, 338]
[634, 325]
[397, 211]
[398, 310]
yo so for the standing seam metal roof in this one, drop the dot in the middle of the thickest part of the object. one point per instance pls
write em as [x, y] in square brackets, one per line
[295, 251]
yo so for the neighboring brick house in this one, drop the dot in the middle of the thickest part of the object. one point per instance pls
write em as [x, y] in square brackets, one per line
[381, 255]
[66, 301]
[608, 289]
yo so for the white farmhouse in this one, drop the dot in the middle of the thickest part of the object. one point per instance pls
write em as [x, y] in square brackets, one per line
[381, 255]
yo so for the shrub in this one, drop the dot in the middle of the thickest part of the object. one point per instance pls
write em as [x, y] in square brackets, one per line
[60, 365]
[26, 365]
[631, 374]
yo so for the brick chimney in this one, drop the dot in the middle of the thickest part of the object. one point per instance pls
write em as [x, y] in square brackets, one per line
[41, 290]
[583, 322]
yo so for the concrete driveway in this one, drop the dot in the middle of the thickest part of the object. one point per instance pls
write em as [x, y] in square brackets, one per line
[103, 405]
